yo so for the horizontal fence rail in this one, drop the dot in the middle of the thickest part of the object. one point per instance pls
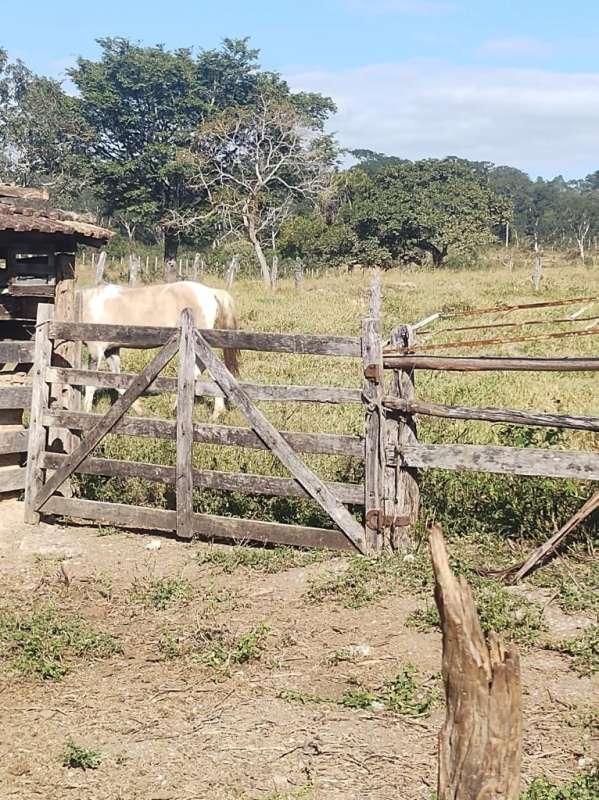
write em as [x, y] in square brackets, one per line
[206, 526]
[204, 388]
[16, 352]
[248, 483]
[497, 459]
[532, 418]
[332, 444]
[492, 363]
[147, 337]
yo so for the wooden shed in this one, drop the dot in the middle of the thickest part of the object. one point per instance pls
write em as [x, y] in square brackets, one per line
[38, 247]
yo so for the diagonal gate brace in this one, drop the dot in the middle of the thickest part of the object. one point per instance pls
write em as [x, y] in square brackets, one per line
[275, 442]
[108, 421]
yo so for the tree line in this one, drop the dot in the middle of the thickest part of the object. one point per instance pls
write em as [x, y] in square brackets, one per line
[200, 148]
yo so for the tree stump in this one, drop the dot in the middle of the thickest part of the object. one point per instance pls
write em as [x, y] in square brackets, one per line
[480, 744]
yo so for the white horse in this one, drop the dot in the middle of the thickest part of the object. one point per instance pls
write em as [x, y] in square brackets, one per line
[157, 305]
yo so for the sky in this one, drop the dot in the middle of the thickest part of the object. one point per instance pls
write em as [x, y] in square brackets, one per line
[497, 80]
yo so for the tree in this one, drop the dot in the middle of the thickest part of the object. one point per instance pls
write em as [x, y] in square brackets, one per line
[41, 133]
[255, 165]
[144, 104]
[427, 207]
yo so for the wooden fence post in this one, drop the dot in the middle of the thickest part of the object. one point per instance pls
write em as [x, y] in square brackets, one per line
[373, 391]
[134, 269]
[480, 745]
[40, 393]
[402, 493]
[185, 400]
[100, 266]
[232, 271]
[195, 267]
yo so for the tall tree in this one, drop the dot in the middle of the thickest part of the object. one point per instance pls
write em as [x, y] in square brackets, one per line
[144, 104]
[255, 164]
[427, 207]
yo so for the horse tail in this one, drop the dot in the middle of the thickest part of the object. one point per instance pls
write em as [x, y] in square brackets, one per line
[227, 320]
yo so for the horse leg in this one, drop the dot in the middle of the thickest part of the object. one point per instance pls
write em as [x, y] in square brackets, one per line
[95, 359]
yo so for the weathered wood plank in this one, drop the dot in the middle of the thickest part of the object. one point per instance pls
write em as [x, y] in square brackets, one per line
[14, 441]
[480, 745]
[15, 396]
[244, 482]
[184, 466]
[43, 290]
[205, 526]
[11, 480]
[204, 388]
[503, 460]
[372, 361]
[226, 435]
[278, 445]
[16, 352]
[533, 418]
[34, 478]
[107, 422]
[492, 363]
[402, 489]
[148, 336]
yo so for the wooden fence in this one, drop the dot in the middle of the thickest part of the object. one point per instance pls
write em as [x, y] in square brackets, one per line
[379, 513]
[15, 397]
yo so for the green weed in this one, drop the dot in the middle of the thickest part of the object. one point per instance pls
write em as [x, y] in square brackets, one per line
[44, 643]
[584, 651]
[77, 757]
[581, 787]
[260, 559]
[162, 592]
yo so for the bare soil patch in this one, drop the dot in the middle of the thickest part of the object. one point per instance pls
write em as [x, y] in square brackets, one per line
[173, 723]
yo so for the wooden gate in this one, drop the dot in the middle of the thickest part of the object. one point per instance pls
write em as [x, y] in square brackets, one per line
[47, 471]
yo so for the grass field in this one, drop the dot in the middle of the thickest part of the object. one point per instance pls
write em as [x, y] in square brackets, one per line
[335, 304]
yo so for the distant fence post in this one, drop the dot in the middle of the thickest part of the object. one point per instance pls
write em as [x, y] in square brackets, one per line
[232, 271]
[480, 745]
[134, 269]
[195, 267]
[298, 274]
[373, 390]
[401, 483]
[100, 267]
[170, 270]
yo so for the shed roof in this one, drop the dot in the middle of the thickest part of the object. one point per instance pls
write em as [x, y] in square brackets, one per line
[16, 218]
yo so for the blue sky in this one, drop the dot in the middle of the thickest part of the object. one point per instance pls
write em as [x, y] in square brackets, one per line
[510, 82]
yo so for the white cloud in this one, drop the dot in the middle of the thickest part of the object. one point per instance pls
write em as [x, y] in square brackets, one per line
[515, 47]
[543, 122]
[400, 6]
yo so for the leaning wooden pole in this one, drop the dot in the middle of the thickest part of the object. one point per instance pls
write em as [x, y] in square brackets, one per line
[480, 744]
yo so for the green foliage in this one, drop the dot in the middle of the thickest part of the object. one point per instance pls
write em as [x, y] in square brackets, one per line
[584, 651]
[402, 694]
[160, 593]
[428, 207]
[581, 787]
[259, 559]
[77, 757]
[217, 648]
[499, 610]
[45, 644]
[367, 580]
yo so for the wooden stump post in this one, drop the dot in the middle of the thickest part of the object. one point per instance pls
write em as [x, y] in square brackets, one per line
[100, 266]
[373, 392]
[65, 352]
[185, 400]
[480, 744]
[402, 493]
[34, 476]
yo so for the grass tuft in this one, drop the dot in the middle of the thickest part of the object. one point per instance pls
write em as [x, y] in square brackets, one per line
[44, 643]
[260, 559]
[581, 787]
[161, 592]
[77, 757]
[584, 650]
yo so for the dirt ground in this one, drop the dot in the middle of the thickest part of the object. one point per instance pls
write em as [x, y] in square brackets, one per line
[172, 729]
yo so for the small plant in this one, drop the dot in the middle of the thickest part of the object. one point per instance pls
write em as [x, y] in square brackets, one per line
[499, 609]
[295, 696]
[162, 592]
[44, 643]
[581, 787]
[77, 757]
[357, 698]
[584, 651]
[405, 696]
[368, 580]
[219, 649]
[260, 559]
[169, 646]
